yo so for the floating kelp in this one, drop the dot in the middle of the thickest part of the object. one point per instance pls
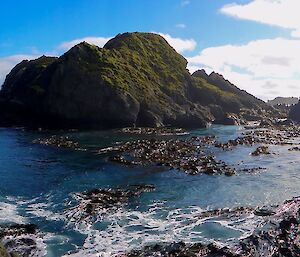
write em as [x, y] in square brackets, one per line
[58, 141]
[160, 131]
[185, 155]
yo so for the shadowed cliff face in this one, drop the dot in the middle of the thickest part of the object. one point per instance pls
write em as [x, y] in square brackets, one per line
[295, 112]
[136, 79]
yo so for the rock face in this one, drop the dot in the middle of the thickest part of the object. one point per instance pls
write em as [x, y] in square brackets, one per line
[295, 113]
[135, 79]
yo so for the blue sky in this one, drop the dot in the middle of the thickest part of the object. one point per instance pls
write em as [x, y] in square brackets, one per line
[207, 29]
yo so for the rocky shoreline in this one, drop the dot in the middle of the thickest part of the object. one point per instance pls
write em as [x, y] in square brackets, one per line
[277, 236]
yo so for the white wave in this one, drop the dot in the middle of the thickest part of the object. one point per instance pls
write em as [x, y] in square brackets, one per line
[9, 214]
[130, 229]
[43, 210]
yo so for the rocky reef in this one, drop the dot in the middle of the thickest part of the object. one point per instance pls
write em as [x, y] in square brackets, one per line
[58, 141]
[93, 202]
[184, 155]
[136, 79]
[160, 131]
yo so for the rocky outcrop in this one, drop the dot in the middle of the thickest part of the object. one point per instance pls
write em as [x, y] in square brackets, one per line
[295, 113]
[20, 240]
[136, 79]
[288, 101]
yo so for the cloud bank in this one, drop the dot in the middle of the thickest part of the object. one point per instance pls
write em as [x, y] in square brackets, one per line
[280, 13]
[268, 67]
[98, 41]
[179, 44]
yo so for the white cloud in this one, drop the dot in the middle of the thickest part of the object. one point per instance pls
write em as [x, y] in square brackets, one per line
[98, 41]
[8, 62]
[185, 2]
[180, 45]
[265, 68]
[181, 26]
[281, 13]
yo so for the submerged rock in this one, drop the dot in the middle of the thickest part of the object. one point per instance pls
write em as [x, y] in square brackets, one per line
[91, 203]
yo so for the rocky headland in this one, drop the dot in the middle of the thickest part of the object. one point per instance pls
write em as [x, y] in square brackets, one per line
[136, 79]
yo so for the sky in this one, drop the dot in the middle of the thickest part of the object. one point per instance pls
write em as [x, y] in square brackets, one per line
[253, 43]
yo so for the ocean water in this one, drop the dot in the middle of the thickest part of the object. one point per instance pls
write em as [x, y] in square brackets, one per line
[37, 183]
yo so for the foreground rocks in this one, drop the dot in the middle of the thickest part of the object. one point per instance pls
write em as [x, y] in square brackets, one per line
[20, 240]
[277, 235]
[280, 234]
[183, 250]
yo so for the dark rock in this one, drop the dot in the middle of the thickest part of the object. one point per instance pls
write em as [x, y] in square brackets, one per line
[296, 148]
[91, 203]
[181, 249]
[285, 122]
[229, 120]
[264, 212]
[295, 113]
[266, 123]
[17, 229]
[261, 150]
[19, 240]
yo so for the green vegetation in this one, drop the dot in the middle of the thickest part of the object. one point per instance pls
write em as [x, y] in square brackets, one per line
[142, 64]
[212, 89]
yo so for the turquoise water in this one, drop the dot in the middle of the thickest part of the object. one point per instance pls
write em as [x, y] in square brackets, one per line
[37, 182]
